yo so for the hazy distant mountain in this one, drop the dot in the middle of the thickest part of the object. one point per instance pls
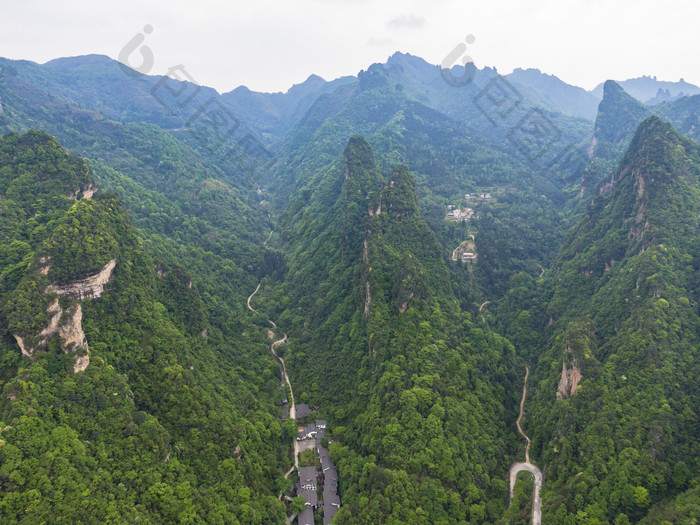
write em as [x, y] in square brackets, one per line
[276, 113]
[563, 97]
[619, 115]
[646, 89]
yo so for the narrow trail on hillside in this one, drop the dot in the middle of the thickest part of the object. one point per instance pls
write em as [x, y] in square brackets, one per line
[251, 296]
[483, 319]
[292, 405]
[522, 406]
[527, 466]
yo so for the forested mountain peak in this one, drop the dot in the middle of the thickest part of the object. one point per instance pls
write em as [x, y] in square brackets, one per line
[618, 115]
[106, 351]
[361, 171]
[44, 166]
[646, 199]
[399, 195]
[621, 332]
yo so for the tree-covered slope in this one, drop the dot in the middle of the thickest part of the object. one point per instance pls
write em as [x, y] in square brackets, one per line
[413, 387]
[127, 394]
[522, 225]
[614, 417]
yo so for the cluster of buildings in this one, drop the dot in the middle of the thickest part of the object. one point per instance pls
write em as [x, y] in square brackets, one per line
[311, 478]
[477, 196]
[455, 214]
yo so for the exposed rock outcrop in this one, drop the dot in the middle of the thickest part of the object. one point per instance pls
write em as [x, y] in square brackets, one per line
[569, 381]
[404, 306]
[68, 324]
[20, 343]
[368, 300]
[87, 193]
[91, 286]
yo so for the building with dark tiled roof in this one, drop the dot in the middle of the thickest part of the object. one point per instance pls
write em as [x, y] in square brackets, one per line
[309, 432]
[303, 411]
[306, 517]
[308, 485]
[331, 499]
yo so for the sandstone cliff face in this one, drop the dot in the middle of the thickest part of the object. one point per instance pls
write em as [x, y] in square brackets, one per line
[570, 378]
[90, 287]
[68, 324]
[87, 192]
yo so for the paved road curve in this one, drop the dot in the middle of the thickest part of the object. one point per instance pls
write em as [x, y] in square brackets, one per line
[527, 466]
[536, 500]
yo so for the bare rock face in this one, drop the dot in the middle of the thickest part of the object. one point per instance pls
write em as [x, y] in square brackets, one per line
[20, 343]
[87, 193]
[68, 324]
[569, 381]
[404, 306]
[368, 300]
[71, 331]
[91, 286]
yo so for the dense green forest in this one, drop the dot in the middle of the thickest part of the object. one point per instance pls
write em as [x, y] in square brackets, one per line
[415, 252]
[145, 432]
[617, 319]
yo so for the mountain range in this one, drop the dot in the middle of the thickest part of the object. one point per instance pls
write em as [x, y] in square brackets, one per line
[414, 239]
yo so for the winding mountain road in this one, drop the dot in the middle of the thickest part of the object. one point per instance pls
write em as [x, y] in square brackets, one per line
[527, 466]
[251, 296]
[292, 405]
[517, 423]
[483, 319]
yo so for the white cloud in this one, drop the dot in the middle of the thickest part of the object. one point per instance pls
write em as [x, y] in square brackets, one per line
[406, 22]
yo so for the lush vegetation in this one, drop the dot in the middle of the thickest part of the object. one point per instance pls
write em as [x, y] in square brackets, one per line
[620, 309]
[415, 357]
[145, 433]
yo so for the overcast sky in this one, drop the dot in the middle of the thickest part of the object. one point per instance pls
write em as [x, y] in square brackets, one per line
[268, 45]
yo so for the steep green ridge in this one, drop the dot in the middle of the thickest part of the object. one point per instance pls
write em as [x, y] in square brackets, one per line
[403, 347]
[174, 417]
[369, 306]
[614, 418]
[619, 115]
[448, 160]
